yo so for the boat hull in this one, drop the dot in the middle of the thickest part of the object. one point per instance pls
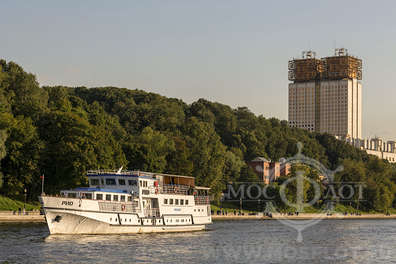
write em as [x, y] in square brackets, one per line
[69, 222]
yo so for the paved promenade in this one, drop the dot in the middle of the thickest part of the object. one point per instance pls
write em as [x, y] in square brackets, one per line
[10, 217]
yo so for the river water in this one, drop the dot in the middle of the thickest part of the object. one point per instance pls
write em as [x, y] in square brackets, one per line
[249, 241]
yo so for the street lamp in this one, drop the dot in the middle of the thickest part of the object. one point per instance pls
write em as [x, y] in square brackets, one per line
[24, 205]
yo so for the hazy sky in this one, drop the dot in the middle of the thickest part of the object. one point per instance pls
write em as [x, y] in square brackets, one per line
[232, 52]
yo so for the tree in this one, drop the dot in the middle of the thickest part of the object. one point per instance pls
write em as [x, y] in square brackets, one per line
[148, 151]
[207, 154]
[22, 91]
[179, 160]
[69, 149]
[20, 165]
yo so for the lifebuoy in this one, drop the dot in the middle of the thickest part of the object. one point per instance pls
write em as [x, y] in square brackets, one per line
[123, 207]
[156, 190]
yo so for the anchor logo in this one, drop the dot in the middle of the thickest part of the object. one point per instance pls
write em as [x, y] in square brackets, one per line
[300, 180]
[300, 204]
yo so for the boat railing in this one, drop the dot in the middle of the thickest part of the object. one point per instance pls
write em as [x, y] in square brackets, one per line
[152, 212]
[201, 200]
[175, 189]
[104, 205]
[94, 172]
[118, 207]
[66, 196]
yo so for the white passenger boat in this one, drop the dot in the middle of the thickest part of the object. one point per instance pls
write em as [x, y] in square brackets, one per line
[129, 202]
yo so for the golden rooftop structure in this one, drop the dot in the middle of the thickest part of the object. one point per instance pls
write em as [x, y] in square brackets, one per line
[338, 67]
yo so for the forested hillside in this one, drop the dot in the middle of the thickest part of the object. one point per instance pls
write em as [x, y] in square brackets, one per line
[62, 132]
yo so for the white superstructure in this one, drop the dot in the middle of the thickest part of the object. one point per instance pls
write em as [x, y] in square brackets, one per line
[129, 202]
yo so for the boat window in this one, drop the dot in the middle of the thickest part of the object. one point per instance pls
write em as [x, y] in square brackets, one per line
[141, 184]
[145, 184]
[108, 197]
[102, 181]
[186, 202]
[132, 182]
[181, 202]
[122, 198]
[72, 195]
[176, 201]
[170, 201]
[165, 201]
[87, 195]
[94, 181]
[129, 198]
[110, 182]
[121, 181]
[115, 197]
[99, 196]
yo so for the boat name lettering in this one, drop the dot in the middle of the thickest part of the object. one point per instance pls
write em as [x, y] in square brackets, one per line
[67, 202]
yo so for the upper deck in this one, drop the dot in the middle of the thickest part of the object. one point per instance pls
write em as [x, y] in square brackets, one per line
[145, 183]
[162, 177]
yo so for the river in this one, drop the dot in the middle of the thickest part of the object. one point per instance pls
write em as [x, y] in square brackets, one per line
[249, 241]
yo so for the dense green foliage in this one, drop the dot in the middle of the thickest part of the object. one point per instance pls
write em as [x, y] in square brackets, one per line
[62, 132]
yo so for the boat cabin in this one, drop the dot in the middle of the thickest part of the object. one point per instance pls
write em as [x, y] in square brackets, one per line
[141, 190]
[134, 183]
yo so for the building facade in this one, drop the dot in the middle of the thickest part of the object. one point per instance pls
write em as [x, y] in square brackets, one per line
[269, 171]
[376, 146]
[326, 94]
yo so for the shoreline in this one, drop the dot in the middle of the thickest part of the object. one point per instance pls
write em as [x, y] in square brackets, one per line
[307, 216]
[32, 217]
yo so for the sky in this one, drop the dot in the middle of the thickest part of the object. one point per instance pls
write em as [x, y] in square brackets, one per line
[228, 51]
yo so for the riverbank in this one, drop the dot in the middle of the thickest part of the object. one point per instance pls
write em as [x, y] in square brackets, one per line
[8, 204]
[35, 217]
[29, 217]
[301, 216]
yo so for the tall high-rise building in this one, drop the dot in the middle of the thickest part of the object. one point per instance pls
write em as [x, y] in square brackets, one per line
[326, 94]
